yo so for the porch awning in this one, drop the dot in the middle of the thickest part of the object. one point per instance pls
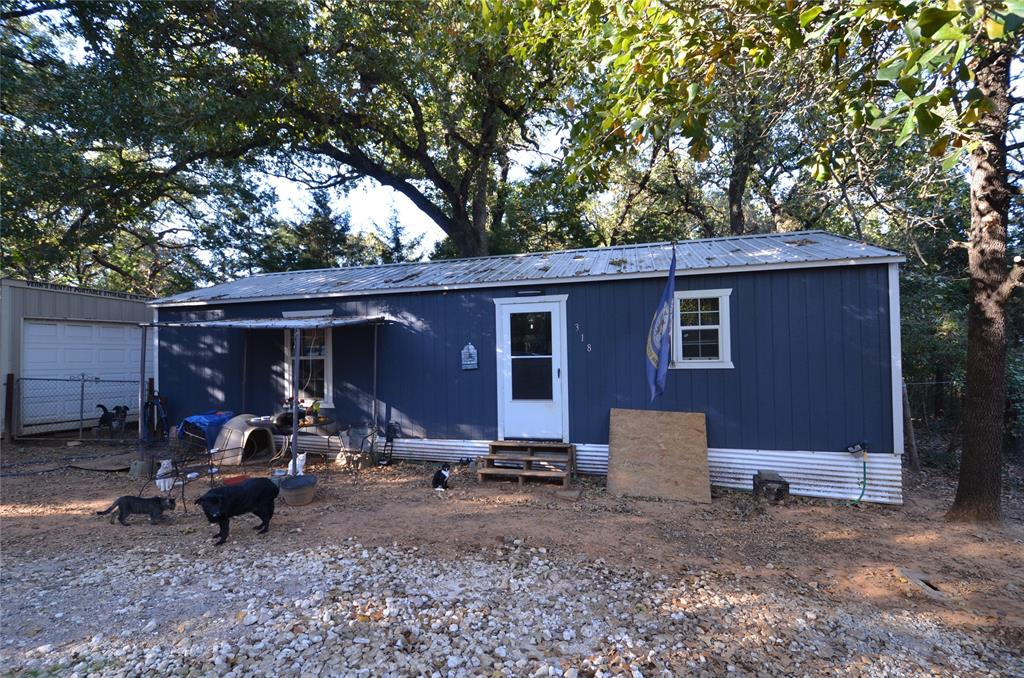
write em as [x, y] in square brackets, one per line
[305, 323]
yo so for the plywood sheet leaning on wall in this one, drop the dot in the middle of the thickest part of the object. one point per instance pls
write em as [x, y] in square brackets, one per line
[659, 454]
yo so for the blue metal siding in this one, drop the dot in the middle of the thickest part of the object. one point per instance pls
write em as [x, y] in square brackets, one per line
[810, 349]
[201, 369]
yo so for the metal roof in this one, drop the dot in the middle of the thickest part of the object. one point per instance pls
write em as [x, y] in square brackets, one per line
[713, 255]
[279, 323]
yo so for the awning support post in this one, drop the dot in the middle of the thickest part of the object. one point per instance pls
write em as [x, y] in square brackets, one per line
[245, 366]
[142, 391]
[296, 347]
[375, 421]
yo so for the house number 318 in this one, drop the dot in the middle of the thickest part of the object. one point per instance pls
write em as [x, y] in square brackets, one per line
[589, 347]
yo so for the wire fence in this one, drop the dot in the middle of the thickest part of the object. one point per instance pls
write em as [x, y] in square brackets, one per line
[934, 403]
[78, 407]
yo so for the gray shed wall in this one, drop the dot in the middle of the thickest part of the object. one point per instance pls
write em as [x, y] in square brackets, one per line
[20, 299]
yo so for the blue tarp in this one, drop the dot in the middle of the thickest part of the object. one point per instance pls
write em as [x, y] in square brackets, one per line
[210, 422]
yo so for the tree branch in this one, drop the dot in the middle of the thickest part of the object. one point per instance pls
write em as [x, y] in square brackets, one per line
[29, 11]
[1013, 279]
[362, 163]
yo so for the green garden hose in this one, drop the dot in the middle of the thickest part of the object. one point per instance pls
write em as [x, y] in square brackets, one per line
[863, 482]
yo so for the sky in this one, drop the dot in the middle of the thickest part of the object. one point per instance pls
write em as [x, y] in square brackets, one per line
[369, 205]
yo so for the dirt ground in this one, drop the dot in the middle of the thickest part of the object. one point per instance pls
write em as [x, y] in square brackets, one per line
[855, 555]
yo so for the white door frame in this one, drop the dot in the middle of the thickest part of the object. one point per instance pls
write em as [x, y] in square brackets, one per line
[500, 339]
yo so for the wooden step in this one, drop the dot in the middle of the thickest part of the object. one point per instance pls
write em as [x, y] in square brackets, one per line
[519, 444]
[525, 454]
[525, 457]
[520, 474]
[528, 465]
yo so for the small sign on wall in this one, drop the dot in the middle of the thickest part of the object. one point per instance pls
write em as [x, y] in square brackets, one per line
[469, 357]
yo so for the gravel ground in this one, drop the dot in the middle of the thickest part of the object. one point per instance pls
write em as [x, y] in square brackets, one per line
[515, 611]
[381, 576]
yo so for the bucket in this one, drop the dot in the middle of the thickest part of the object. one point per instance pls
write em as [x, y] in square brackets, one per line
[298, 490]
[235, 480]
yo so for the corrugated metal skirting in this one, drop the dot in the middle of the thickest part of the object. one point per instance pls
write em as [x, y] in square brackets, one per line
[833, 475]
[836, 475]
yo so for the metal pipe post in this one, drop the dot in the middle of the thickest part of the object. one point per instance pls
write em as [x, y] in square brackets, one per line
[245, 362]
[142, 389]
[375, 326]
[296, 347]
[9, 408]
[81, 408]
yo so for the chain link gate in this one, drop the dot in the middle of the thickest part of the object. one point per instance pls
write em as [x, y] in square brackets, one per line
[70, 408]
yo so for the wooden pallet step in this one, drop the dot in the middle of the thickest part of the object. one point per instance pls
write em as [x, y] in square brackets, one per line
[521, 475]
[525, 457]
[512, 472]
[516, 444]
[521, 469]
[556, 460]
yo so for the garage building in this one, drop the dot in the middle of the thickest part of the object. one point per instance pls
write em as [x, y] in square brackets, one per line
[51, 332]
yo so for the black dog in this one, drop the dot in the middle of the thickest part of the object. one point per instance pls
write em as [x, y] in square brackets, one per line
[253, 496]
[114, 420]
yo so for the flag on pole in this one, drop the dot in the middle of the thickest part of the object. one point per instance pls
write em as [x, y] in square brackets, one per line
[659, 336]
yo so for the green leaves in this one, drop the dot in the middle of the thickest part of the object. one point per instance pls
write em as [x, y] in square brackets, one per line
[821, 169]
[953, 159]
[891, 72]
[931, 19]
[909, 85]
[809, 15]
[906, 130]
[927, 120]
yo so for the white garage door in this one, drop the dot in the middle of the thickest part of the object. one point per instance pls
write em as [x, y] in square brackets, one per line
[55, 351]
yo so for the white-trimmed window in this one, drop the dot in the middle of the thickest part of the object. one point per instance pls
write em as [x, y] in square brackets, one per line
[315, 373]
[700, 330]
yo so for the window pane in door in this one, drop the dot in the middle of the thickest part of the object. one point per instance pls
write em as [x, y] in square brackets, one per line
[531, 333]
[531, 379]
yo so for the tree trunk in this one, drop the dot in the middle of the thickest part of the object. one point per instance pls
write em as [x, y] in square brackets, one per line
[978, 490]
[470, 242]
[741, 166]
[745, 139]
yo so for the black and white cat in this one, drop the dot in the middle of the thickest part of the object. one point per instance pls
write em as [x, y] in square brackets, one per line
[440, 480]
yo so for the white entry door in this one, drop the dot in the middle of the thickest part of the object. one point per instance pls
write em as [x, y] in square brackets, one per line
[532, 379]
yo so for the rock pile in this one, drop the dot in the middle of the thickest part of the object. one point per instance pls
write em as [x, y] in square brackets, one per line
[513, 611]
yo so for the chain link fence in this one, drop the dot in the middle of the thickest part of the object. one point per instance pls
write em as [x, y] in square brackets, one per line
[78, 407]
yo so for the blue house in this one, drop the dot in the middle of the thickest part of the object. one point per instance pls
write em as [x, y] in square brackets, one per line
[789, 343]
